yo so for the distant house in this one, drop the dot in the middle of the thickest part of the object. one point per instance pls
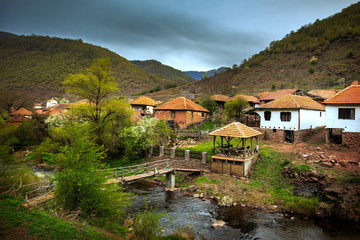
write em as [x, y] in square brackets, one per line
[220, 99]
[285, 118]
[181, 111]
[144, 105]
[50, 103]
[278, 94]
[343, 116]
[58, 109]
[253, 101]
[321, 95]
[19, 116]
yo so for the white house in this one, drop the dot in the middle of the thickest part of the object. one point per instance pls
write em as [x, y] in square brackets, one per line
[144, 105]
[343, 116]
[50, 103]
[289, 117]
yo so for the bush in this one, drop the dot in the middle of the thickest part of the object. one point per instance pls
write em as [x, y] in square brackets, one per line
[80, 186]
[147, 224]
[311, 70]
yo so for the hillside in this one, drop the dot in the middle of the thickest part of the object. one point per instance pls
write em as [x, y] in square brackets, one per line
[37, 65]
[199, 74]
[163, 71]
[324, 54]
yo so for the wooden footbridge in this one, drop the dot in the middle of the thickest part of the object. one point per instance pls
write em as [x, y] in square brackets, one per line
[169, 167]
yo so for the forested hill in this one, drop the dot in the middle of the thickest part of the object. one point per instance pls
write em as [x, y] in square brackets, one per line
[324, 54]
[37, 65]
[163, 71]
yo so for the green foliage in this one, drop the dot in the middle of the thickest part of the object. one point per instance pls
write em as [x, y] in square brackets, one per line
[313, 60]
[234, 108]
[301, 167]
[311, 70]
[209, 104]
[81, 187]
[44, 153]
[39, 225]
[147, 224]
[136, 140]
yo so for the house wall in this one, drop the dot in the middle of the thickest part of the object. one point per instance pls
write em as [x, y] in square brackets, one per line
[51, 103]
[333, 121]
[311, 119]
[275, 121]
[182, 118]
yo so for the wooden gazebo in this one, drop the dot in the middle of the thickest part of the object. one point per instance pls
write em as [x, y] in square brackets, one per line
[234, 160]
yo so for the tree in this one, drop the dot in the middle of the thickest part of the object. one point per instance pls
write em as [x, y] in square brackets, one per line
[81, 186]
[96, 86]
[11, 101]
[209, 104]
[235, 108]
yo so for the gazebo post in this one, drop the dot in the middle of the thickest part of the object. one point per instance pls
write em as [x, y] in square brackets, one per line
[245, 148]
[251, 145]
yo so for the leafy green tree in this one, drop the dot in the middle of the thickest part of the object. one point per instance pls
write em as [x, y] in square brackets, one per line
[80, 184]
[235, 108]
[96, 86]
[209, 104]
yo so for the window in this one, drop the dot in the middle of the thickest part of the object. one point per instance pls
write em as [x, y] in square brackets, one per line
[285, 116]
[192, 115]
[202, 115]
[267, 115]
[172, 114]
[320, 114]
[347, 113]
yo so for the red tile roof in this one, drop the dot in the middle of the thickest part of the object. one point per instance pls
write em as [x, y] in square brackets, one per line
[58, 109]
[247, 97]
[262, 95]
[293, 102]
[325, 94]
[219, 98]
[17, 118]
[182, 104]
[146, 101]
[21, 111]
[278, 94]
[350, 95]
[237, 130]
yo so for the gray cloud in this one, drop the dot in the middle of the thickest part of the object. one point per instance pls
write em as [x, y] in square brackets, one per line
[188, 34]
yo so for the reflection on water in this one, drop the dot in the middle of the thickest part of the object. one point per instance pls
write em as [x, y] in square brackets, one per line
[242, 223]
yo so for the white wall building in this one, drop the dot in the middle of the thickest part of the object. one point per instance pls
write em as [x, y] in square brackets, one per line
[343, 116]
[286, 115]
[50, 103]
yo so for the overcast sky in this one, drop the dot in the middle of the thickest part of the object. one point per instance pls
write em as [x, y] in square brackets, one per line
[186, 34]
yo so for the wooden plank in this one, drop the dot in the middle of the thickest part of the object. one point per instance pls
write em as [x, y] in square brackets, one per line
[228, 158]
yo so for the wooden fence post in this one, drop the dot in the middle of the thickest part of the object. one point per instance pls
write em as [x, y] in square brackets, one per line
[187, 155]
[173, 153]
[161, 151]
[204, 157]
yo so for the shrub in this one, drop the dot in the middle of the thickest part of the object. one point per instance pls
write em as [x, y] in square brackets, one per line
[147, 224]
[311, 70]
[313, 60]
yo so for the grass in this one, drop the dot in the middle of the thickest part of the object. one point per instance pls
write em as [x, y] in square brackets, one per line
[15, 218]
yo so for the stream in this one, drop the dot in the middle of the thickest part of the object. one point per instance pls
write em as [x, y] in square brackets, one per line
[241, 223]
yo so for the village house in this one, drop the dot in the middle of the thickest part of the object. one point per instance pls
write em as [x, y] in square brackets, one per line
[253, 101]
[343, 116]
[321, 95]
[289, 117]
[181, 112]
[220, 99]
[50, 103]
[18, 116]
[278, 94]
[144, 105]
[58, 109]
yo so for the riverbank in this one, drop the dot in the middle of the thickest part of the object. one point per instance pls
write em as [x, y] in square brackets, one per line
[282, 182]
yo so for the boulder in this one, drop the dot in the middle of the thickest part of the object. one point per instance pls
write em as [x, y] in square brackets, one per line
[218, 224]
[226, 201]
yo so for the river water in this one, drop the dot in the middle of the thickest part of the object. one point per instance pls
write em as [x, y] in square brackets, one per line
[242, 223]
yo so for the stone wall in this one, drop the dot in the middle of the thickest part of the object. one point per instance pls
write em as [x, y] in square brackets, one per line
[351, 138]
[278, 135]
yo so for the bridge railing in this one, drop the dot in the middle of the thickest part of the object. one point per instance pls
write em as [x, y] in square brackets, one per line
[137, 169]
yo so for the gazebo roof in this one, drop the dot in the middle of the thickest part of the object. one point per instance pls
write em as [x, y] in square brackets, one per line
[236, 130]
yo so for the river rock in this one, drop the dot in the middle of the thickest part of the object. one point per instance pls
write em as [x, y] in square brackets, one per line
[218, 224]
[226, 201]
[196, 195]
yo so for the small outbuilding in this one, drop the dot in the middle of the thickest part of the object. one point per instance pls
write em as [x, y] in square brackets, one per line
[234, 160]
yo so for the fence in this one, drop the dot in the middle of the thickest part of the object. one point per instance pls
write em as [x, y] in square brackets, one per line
[181, 153]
